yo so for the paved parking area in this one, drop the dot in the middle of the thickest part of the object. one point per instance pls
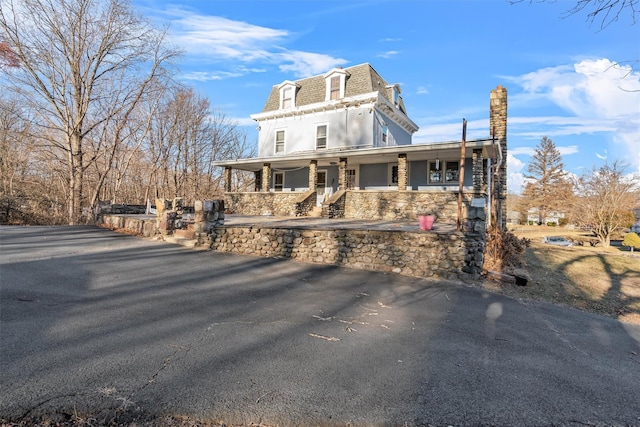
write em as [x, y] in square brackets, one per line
[98, 324]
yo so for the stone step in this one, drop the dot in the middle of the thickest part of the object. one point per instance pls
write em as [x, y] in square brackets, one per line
[316, 212]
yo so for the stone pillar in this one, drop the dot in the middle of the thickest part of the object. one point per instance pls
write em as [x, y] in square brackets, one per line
[227, 179]
[266, 177]
[498, 128]
[342, 174]
[402, 172]
[479, 184]
[313, 174]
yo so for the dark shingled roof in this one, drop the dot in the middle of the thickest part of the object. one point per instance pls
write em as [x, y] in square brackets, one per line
[360, 79]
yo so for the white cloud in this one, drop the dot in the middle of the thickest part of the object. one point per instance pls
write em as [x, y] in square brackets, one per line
[602, 156]
[443, 132]
[304, 64]
[422, 90]
[515, 180]
[205, 76]
[602, 96]
[215, 39]
[388, 54]
[222, 37]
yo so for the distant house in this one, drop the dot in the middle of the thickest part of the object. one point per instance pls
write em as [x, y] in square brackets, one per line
[339, 144]
[533, 217]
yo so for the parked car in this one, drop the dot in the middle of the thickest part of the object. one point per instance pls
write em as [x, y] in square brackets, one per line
[556, 240]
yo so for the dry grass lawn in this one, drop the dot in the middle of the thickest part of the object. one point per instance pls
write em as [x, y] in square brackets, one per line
[596, 279]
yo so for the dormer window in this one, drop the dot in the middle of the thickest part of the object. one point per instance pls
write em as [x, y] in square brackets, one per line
[335, 84]
[395, 94]
[334, 90]
[287, 95]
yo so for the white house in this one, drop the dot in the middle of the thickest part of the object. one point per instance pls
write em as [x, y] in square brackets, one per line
[344, 139]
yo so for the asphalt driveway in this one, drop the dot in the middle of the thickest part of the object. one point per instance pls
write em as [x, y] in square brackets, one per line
[100, 324]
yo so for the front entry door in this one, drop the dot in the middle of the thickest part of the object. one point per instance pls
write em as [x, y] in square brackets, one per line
[321, 187]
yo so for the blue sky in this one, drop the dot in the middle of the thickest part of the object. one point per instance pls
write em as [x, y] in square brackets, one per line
[567, 79]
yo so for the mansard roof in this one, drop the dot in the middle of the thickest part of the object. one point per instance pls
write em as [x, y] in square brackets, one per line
[360, 79]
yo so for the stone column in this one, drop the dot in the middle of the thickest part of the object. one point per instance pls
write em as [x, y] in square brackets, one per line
[402, 172]
[313, 174]
[479, 185]
[342, 174]
[498, 128]
[227, 179]
[266, 177]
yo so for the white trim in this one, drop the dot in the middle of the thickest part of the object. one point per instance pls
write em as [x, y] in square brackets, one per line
[363, 100]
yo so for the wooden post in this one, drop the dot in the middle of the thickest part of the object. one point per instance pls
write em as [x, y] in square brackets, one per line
[461, 173]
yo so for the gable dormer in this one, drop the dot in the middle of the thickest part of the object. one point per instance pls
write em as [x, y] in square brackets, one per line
[335, 81]
[288, 91]
[394, 91]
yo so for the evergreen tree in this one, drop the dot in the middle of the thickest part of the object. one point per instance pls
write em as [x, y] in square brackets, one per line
[547, 187]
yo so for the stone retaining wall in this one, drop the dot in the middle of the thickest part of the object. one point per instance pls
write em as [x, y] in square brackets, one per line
[146, 227]
[359, 204]
[422, 254]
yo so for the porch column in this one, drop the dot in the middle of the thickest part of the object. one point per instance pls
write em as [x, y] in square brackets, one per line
[402, 172]
[313, 174]
[477, 172]
[227, 179]
[266, 177]
[342, 174]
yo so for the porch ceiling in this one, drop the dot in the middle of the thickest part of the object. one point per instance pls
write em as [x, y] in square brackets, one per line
[414, 152]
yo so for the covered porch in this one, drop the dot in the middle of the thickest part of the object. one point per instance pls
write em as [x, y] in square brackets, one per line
[388, 183]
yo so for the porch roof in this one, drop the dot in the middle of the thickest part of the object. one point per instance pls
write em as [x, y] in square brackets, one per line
[364, 155]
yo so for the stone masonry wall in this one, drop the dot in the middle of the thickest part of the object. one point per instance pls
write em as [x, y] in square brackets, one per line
[432, 254]
[258, 203]
[403, 205]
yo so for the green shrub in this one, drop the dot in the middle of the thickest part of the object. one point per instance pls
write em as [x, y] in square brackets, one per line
[563, 221]
[551, 224]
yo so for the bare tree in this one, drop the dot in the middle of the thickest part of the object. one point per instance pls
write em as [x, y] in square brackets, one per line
[606, 200]
[604, 11]
[547, 187]
[82, 64]
[186, 136]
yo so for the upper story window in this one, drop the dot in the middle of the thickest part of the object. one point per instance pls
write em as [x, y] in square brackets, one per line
[321, 137]
[335, 81]
[385, 135]
[279, 148]
[287, 95]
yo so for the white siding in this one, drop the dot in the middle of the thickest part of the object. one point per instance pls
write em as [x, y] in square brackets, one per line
[346, 128]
